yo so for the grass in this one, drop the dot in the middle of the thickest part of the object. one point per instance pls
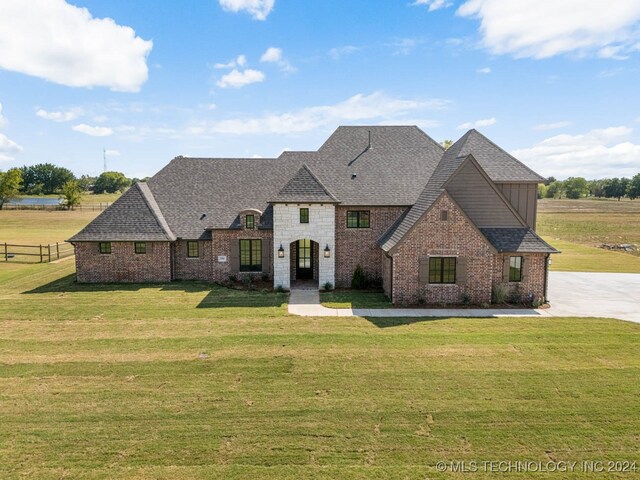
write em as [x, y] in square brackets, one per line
[189, 380]
[578, 227]
[41, 226]
[87, 197]
[354, 299]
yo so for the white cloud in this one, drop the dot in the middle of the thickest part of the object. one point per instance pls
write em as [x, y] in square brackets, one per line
[238, 79]
[258, 9]
[274, 55]
[100, 118]
[596, 154]
[239, 61]
[432, 4]
[358, 108]
[112, 153]
[338, 52]
[64, 44]
[485, 70]
[212, 106]
[545, 28]
[404, 46]
[485, 122]
[59, 116]
[8, 147]
[3, 120]
[93, 131]
[551, 126]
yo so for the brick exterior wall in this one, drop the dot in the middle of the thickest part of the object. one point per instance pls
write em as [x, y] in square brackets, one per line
[123, 264]
[533, 276]
[358, 245]
[431, 236]
[185, 268]
[221, 245]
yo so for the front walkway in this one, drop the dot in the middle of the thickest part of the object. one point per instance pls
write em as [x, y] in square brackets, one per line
[307, 304]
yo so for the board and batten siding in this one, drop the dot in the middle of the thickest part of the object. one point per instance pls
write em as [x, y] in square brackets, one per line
[524, 198]
[473, 192]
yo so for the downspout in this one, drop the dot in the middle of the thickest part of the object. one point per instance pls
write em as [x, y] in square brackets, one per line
[546, 276]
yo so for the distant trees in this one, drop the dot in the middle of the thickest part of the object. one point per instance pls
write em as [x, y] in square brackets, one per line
[633, 190]
[71, 193]
[111, 182]
[575, 187]
[10, 182]
[446, 144]
[578, 187]
[44, 178]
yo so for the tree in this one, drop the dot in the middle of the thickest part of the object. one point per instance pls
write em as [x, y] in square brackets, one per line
[555, 189]
[111, 182]
[615, 188]
[86, 182]
[446, 144]
[596, 188]
[10, 182]
[71, 193]
[549, 181]
[44, 178]
[633, 190]
[542, 191]
[575, 187]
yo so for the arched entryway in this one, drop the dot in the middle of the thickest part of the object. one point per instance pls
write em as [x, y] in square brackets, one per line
[304, 260]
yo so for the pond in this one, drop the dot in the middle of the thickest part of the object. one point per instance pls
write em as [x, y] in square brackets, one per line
[35, 201]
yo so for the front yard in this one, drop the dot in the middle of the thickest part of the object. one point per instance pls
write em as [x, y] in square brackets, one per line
[190, 381]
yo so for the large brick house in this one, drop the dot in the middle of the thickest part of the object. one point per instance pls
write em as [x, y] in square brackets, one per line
[430, 225]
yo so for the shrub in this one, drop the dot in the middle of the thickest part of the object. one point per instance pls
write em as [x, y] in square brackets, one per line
[358, 281]
[233, 279]
[280, 289]
[247, 280]
[265, 277]
[328, 286]
[516, 295]
[499, 293]
[465, 298]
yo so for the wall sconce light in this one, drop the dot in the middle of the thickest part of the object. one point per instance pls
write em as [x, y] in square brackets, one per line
[281, 252]
[327, 251]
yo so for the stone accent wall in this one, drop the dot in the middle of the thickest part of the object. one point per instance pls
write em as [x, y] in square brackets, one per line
[359, 245]
[431, 236]
[221, 246]
[533, 279]
[123, 265]
[287, 229]
[185, 268]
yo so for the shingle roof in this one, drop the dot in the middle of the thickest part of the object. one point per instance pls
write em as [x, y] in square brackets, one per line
[304, 186]
[516, 240]
[135, 216]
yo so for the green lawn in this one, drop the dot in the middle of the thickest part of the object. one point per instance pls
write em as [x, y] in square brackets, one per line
[354, 299]
[192, 381]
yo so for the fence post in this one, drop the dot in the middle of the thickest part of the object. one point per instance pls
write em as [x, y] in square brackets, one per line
[40, 253]
[49, 251]
[57, 251]
[6, 252]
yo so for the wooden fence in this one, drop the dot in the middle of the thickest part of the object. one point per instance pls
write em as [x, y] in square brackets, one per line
[94, 207]
[35, 253]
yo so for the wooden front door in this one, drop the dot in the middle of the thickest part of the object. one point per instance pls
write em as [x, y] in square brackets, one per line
[304, 267]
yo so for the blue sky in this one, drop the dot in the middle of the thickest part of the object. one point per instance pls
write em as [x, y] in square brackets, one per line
[555, 83]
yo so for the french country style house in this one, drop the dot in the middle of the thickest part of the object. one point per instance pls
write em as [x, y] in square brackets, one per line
[428, 225]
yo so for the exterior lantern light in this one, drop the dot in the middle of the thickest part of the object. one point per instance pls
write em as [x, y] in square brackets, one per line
[281, 252]
[327, 251]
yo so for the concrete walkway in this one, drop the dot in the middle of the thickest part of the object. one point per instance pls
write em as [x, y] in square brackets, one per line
[572, 294]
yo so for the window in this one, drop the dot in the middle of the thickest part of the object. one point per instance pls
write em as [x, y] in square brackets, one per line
[358, 219]
[193, 249]
[105, 247]
[444, 215]
[304, 215]
[515, 269]
[442, 270]
[250, 255]
[250, 222]
[140, 247]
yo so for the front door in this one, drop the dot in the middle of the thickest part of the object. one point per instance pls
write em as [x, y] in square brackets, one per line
[304, 268]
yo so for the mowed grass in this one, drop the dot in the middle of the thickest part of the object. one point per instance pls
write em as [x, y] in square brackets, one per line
[41, 226]
[189, 380]
[578, 227]
[354, 299]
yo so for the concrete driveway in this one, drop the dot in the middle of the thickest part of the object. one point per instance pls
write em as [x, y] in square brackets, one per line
[612, 295]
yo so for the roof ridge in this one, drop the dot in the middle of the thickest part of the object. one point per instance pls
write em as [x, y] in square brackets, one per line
[150, 200]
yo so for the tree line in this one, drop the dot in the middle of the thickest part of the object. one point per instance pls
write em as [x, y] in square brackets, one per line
[47, 179]
[578, 187]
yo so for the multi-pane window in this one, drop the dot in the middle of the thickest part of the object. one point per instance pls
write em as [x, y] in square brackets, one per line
[193, 249]
[250, 222]
[250, 255]
[140, 247]
[442, 270]
[105, 247]
[515, 269]
[358, 219]
[304, 215]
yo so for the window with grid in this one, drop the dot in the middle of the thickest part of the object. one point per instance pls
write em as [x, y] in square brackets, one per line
[140, 247]
[515, 269]
[193, 249]
[105, 247]
[250, 222]
[442, 270]
[358, 219]
[250, 255]
[304, 215]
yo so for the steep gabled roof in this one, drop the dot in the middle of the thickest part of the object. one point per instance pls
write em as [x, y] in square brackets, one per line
[516, 240]
[135, 216]
[304, 187]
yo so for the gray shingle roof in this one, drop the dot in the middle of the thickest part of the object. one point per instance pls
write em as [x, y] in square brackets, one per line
[135, 216]
[516, 240]
[304, 187]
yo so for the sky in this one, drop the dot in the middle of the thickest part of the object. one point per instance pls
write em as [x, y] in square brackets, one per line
[555, 83]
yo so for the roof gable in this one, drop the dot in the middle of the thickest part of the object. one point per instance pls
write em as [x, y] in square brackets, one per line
[305, 187]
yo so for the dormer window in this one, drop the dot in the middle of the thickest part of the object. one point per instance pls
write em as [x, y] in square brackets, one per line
[250, 222]
[304, 215]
